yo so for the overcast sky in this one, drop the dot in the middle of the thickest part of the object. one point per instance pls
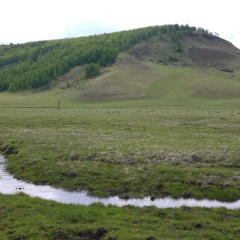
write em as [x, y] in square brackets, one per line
[32, 20]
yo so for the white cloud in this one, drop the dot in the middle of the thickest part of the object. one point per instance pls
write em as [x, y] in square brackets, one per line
[85, 28]
[29, 20]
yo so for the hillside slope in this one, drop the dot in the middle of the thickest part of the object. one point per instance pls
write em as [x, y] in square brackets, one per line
[170, 65]
[34, 64]
[205, 68]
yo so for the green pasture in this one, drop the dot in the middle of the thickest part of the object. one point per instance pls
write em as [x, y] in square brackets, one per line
[23, 217]
[113, 151]
[177, 141]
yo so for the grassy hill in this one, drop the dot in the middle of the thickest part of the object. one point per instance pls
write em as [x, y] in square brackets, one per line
[161, 120]
[144, 72]
[206, 68]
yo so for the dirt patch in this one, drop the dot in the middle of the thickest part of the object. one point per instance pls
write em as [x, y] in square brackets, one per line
[8, 150]
[140, 53]
[211, 52]
[66, 233]
[131, 62]
[208, 57]
[71, 76]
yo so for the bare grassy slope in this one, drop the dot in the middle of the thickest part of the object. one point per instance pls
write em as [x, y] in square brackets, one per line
[127, 78]
[145, 72]
[214, 53]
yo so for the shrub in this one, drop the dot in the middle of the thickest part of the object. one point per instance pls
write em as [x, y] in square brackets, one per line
[91, 70]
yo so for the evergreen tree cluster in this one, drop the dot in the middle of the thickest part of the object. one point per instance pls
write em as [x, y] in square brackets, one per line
[91, 70]
[33, 64]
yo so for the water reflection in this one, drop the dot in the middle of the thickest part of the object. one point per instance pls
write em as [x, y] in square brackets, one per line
[10, 185]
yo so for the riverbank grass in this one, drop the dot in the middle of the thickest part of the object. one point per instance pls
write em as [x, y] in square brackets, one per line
[174, 151]
[50, 220]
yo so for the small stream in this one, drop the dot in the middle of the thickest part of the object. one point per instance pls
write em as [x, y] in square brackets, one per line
[10, 185]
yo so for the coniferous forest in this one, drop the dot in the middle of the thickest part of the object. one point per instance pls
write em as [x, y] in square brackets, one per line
[33, 64]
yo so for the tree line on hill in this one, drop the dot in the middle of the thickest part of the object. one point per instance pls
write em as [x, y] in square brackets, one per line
[33, 64]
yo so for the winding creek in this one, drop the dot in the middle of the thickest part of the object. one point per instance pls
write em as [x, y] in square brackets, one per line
[11, 185]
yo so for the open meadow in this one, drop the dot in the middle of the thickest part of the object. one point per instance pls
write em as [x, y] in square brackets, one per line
[176, 134]
[132, 148]
[174, 151]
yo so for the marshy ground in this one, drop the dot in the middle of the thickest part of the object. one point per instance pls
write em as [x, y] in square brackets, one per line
[132, 152]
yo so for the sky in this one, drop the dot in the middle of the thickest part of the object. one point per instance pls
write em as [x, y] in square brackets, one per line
[34, 20]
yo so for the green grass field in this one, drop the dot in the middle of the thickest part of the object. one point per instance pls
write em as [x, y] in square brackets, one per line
[26, 218]
[172, 135]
